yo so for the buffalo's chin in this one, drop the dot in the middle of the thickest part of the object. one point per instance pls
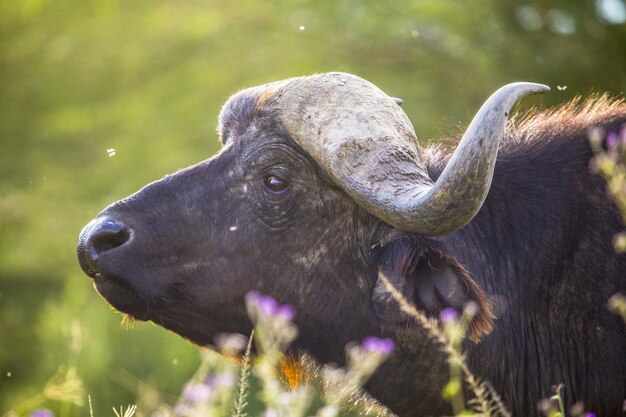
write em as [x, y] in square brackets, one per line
[199, 337]
[121, 296]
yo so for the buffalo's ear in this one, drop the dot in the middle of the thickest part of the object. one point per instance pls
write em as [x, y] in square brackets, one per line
[432, 280]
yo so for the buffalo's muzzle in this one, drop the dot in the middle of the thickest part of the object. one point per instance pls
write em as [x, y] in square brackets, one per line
[100, 235]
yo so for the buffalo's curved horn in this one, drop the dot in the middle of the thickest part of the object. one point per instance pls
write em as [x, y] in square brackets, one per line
[463, 185]
[363, 140]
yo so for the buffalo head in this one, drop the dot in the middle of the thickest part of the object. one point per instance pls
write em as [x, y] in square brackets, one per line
[319, 187]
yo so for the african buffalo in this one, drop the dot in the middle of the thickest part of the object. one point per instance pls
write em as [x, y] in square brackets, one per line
[320, 187]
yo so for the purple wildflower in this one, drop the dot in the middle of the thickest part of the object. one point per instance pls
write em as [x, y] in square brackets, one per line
[182, 410]
[198, 392]
[590, 415]
[221, 380]
[596, 135]
[252, 297]
[231, 343]
[449, 315]
[285, 312]
[622, 136]
[267, 305]
[557, 388]
[376, 345]
[611, 140]
[470, 309]
[43, 412]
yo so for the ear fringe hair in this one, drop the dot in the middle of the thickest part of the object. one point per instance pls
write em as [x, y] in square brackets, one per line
[403, 255]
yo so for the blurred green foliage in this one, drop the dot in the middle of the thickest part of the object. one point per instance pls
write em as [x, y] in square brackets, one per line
[147, 78]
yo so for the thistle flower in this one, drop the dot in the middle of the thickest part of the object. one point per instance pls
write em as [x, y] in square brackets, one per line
[220, 380]
[266, 305]
[272, 321]
[611, 140]
[231, 344]
[449, 315]
[252, 297]
[269, 307]
[285, 312]
[43, 412]
[363, 359]
[182, 410]
[596, 136]
[270, 413]
[198, 393]
[376, 345]
[470, 310]
[557, 388]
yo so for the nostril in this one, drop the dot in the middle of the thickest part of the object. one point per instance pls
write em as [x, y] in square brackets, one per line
[109, 234]
[99, 236]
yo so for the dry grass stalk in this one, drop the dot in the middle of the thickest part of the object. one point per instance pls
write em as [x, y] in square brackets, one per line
[242, 386]
[487, 402]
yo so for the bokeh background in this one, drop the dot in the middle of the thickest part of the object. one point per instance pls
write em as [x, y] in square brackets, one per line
[99, 97]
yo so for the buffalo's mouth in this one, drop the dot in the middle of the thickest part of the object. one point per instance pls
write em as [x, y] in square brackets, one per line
[117, 292]
[101, 238]
[120, 293]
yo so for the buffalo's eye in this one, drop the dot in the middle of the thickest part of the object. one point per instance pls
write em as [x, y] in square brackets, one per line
[275, 184]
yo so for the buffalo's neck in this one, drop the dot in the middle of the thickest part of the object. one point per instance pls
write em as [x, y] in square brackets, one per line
[535, 247]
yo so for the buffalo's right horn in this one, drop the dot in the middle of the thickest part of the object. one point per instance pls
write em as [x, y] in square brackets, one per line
[461, 189]
[363, 140]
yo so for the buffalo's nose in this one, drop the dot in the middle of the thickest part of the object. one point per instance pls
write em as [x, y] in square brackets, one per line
[99, 236]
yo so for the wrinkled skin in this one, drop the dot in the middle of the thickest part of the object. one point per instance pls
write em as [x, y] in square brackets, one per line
[261, 215]
[232, 234]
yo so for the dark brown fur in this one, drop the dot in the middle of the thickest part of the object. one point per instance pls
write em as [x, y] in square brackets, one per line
[542, 242]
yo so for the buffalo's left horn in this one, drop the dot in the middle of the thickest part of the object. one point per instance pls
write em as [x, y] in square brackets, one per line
[363, 140]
